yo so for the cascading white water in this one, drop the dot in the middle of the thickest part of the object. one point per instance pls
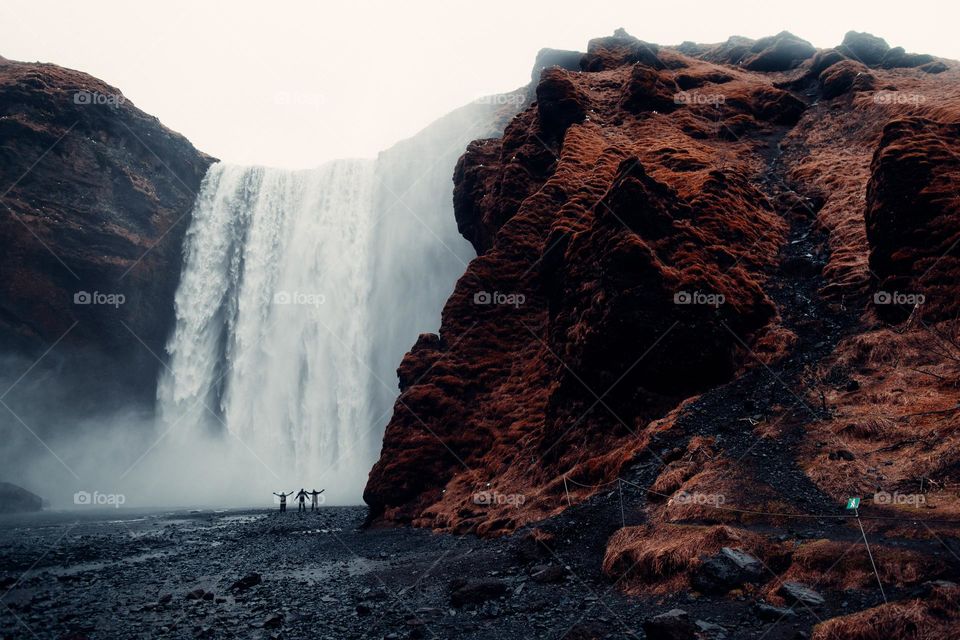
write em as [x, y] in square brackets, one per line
[273, 320]
[299, 295]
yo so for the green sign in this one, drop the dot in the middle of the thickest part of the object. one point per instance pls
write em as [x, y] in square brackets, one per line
[853, 503]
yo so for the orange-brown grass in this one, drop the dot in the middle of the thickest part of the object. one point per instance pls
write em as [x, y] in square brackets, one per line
[829, 564]
[657, 559]
[936, 617]
[900, 424]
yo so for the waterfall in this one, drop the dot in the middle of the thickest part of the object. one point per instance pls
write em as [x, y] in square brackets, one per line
[300, 292]
[273, 319]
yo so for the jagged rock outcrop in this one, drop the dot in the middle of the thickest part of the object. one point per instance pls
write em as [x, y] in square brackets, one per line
[676, 295]
[615, 260]
[96, 196]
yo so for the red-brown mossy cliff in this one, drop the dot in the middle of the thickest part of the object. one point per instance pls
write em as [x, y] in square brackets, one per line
[637, 184]
[607, 206]
[913, 218]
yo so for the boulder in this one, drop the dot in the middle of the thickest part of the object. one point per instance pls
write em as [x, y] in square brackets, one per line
[778, 53]
[864, 47]
[898, 57]
[794, 592]
[727, 570]
[672, 625]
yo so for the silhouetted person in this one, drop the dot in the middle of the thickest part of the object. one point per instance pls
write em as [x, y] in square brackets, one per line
[283, 500]
[302, 497]
[313, 498]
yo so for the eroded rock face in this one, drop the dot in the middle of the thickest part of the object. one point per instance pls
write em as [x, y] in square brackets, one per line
[95, 200]
[635, 272]
[913, 219]
[620, 259]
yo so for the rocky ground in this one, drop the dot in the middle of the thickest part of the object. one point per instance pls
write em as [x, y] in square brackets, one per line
[263, 574]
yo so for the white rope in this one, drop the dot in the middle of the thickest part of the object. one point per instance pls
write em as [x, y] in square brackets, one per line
[870, 554]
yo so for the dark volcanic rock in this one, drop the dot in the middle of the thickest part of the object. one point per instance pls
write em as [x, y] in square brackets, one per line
[796, 592]
[546, 58]
[727, 570]
[672, 625]
[778, 53]
[866, 48]
[96, 200]
[14, 499]
[619, 50]
[246, 582]
[475, 591]
[898, 57]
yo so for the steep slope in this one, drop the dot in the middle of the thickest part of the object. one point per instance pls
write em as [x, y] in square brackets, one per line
[676, 337]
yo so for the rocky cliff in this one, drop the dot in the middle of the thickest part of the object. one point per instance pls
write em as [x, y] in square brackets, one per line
[714, 297]
[95, 196]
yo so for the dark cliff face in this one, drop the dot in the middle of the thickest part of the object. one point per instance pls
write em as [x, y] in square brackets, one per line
[95, 203]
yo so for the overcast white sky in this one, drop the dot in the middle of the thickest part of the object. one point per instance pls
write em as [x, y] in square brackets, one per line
[293, 84]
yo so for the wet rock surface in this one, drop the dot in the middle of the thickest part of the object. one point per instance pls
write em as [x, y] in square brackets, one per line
[259, 574]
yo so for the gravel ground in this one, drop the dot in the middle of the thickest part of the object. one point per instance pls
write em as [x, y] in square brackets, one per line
[321, 575]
